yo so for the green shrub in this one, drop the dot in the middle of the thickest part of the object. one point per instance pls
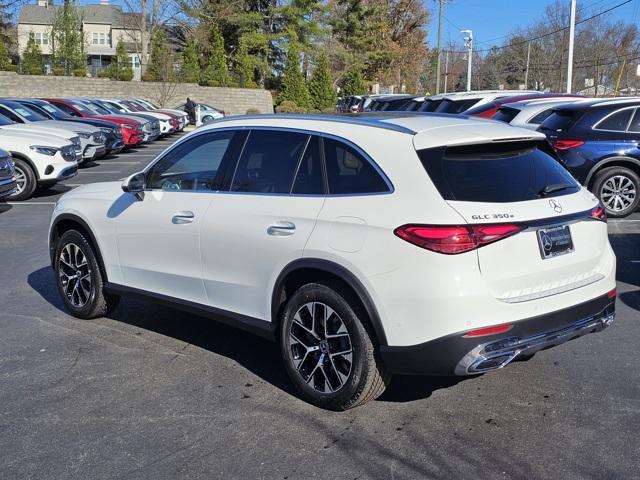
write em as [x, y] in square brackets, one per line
[126, 75]
[34, 70]
[58, 72]
[252, 111]
[147, 77]
[103, 74]
[11, 68]
[80, 72]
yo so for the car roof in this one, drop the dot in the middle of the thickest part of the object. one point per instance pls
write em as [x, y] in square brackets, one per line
[521, 104]
[597, 103]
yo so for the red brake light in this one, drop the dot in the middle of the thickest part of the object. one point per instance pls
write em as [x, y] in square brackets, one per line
[488, 331]
[487, 113]
[599, 213]
[612, 293]
[452, 240]
[567, 144]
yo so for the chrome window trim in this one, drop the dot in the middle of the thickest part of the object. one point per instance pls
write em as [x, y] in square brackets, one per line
[366, 156]
[594, 128]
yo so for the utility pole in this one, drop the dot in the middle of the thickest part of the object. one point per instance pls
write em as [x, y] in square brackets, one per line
[440, 13]
[572, 31]
[468, 42]
[526, 73]
[446, 70]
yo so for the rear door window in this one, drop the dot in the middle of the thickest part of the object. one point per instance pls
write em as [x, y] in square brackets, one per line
[269, 161]
[616, 122]
[505, 172]
[348, 172]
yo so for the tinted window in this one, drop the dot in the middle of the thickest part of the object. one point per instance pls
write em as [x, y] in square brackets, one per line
[456, 106]
[506, 172]
[309, 179]
[541, 117]
[635, 123]
[9, 114]
[348, 172]
[560, 120]
[505, 114]
[193, 165]
[5, 121]
[66, 109]
[617, 121]
[268, 162]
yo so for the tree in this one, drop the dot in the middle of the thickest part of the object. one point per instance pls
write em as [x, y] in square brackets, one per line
[5, 60]
[190, 70]
[120, 67]
[216, 71]
[67, 40]
[243, 65]
[32, 57]
[354, 82]
[293, 86]
[323, 95]
[160, 66]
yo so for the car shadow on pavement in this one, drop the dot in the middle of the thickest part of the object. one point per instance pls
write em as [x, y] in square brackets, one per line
[57, 189]
[4, 207]
[256, 354]
[631, 299]
[627, 250]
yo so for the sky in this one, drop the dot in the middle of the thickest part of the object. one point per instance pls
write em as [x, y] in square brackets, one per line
[491, 19]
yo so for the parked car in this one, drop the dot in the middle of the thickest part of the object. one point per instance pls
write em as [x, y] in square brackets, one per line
[178, 119]
[151, 127]
[597, 141]
[160, 121]
[207, 112]
[131, 128]
[462, 101]
[390, 103]
[113, 136]
[530, 113]
[41, 160]
[489, 109]
[184, 118]
[310, 231]
[7, 174]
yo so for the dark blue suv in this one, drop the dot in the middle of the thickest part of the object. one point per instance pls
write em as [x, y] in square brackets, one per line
[598, 142]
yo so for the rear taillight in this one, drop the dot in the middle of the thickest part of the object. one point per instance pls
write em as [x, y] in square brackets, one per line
[452, 240]
[488, 331]
[599, 213]
[563, 145]
[487, 113]
[612, 293]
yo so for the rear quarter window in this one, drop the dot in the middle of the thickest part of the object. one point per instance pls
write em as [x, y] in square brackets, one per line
[505, 172]
[616, 122]
[505, 114]
[560, 120]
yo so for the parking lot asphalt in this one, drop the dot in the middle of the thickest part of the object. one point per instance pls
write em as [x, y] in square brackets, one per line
[151, 392]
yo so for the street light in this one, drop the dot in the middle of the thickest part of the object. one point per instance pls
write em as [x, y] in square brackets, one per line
[468, 42]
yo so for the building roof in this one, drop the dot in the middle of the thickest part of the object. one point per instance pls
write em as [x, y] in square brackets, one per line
[103, 14]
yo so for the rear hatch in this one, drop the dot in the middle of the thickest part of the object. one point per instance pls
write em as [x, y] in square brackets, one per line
[555, 245]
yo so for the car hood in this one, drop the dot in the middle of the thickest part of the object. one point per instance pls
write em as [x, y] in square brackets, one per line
[11, 137]
[73, 126]
[37, 127]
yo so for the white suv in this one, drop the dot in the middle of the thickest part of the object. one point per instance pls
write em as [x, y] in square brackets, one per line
[365, 246]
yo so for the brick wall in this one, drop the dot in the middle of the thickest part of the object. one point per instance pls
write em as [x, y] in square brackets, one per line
[231, 100]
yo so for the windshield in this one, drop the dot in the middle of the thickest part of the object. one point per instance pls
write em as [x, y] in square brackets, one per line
[26, 112]
[54, 112]
[98, 108]
[5, 121]
[82, 108]
[107, 107]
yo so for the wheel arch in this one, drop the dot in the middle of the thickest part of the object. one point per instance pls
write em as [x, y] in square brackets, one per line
[309, 270]
[24, 158]
[617, 161]
[68, 221]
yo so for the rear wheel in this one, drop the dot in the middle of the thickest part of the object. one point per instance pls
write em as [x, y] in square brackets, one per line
[618, 188]
[79, 278]
[328, 352]
[26, 181]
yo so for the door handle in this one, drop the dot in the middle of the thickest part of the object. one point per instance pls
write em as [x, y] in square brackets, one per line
[281, 229]
[182, 217]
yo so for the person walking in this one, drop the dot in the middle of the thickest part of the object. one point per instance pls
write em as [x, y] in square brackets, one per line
[190, 108]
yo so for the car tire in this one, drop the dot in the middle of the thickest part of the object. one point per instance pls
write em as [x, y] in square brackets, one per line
[79, 278]
[26, 181]
[207, 119]
[317, 365]
[608, 186]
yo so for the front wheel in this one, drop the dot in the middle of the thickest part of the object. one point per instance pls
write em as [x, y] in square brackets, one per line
[79, 279]
[618, 188]
[26, 181]
[327, 350]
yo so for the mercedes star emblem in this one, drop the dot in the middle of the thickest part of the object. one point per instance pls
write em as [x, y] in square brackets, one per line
[556, 206]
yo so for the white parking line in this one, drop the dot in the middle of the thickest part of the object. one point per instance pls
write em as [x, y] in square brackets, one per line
[30, 203]
[110, 162]
[91, 173]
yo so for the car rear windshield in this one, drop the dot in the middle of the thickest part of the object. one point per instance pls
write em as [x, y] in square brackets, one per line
[560, 120]
[456, 106]
[506, 114]
[497, 172]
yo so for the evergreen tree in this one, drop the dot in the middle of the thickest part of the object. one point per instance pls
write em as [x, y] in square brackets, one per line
[160, 66]
[32, 57]
[190, 70]
[244, 67]
[67, 40]
[216, 71]
[354, 81]
[5, 60]
[323, 95]
[293, 87]
[120, 67]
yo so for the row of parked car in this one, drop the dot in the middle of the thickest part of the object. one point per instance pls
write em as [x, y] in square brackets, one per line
[597, 140]
[44, 140]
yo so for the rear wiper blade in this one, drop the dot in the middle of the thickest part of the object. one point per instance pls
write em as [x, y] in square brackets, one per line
[556, 187]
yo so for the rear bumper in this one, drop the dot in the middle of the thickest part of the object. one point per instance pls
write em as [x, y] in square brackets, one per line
[459, 355]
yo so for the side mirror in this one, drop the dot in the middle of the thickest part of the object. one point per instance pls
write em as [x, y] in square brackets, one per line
[134, 184]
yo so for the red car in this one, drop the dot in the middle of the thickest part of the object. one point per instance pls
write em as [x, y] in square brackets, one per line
[488, 110]
[132, 133]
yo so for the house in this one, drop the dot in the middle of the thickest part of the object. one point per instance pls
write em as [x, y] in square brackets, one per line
[103, 26]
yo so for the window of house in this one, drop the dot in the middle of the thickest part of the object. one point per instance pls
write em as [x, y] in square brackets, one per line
[94, 39]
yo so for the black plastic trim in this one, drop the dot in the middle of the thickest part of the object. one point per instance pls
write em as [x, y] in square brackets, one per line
[339, 271]
[440, 356]
[262, 328]
[603, 164]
